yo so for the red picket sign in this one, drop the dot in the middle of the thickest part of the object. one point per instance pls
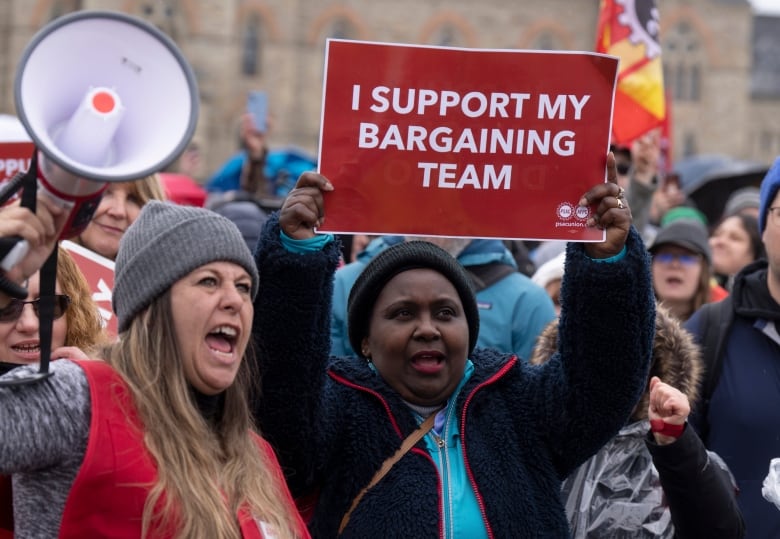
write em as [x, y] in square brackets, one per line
[99, 272]
[439, 141]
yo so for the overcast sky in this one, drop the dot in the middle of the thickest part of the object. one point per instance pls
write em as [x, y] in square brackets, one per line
[766, 6]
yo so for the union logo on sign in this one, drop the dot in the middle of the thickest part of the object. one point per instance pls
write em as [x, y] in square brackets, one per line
[565, 210]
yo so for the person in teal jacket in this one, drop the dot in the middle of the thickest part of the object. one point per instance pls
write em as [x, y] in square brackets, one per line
[513, 310]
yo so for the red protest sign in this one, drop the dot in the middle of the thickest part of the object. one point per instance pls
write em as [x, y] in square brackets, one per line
[16, 150]
[461, 142]
[99, 272]
[15, 157]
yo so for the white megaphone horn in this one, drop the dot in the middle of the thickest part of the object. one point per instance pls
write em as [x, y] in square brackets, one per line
[105, 97]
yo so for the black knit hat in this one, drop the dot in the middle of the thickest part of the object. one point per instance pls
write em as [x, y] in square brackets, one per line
[394, 260]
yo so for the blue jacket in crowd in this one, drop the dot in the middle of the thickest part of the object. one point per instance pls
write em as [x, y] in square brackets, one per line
[282, 168]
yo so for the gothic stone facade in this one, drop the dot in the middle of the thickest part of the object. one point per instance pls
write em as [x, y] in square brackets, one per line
[709, 52]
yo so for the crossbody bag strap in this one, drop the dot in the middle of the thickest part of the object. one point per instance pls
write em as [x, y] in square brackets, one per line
[407, 444]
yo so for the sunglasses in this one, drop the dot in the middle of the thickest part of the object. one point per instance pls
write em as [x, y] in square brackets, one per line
[685, 260]
[14, 310]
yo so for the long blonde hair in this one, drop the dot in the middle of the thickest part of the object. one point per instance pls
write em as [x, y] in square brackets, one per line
[146, 189]
[200, 466]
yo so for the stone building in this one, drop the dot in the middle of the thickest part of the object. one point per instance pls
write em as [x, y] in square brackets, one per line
[720, 59]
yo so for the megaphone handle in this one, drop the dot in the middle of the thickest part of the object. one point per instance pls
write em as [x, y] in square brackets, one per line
[12, 250]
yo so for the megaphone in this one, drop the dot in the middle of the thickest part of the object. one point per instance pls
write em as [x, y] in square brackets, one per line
[105, 97]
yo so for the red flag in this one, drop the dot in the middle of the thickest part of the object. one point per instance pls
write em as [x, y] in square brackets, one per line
[629, 29]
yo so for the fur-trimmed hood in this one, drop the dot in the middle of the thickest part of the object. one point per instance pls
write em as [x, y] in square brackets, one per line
[676, 358]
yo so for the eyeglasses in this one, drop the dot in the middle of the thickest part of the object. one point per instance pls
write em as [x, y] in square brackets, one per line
[774, 215]
[685, 260]
[14, 310]
[623, 168]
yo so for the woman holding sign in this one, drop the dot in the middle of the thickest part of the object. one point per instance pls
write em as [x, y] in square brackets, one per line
[424, 435]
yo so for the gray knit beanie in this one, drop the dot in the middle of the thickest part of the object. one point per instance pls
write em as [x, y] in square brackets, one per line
[394, 260]
[165, 243]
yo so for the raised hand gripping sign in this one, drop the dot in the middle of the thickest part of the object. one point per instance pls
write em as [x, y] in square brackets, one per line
[463, 142]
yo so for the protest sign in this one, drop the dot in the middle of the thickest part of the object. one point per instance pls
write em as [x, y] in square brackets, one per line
[16, 151]
[99, 272]
[15, 157]
[441, 141]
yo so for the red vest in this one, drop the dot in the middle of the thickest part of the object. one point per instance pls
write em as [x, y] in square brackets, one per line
[108, 495]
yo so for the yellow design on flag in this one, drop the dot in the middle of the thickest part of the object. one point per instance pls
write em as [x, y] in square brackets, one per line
[629, 29]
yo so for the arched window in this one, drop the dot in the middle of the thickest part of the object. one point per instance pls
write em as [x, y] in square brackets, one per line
[765, 73]
[689, 146]
[683, 59]
[251, 39]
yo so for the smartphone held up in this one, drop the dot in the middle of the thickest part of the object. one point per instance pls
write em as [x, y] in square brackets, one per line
[257, 106]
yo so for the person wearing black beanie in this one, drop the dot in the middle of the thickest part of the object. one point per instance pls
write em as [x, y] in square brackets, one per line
[424, 434]
[397, 259]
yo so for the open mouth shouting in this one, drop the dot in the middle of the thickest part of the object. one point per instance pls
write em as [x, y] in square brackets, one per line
[428, 362]
[222, 342]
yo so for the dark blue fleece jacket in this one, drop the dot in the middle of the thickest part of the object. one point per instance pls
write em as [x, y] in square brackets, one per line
[524, 428]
